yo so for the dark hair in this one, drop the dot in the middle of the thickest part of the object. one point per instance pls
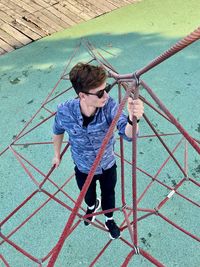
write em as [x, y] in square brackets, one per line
[85, 77]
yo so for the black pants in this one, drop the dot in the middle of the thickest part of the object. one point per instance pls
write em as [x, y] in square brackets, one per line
[107, 182]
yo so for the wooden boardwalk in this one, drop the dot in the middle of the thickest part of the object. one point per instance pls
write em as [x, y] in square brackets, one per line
[24, 21]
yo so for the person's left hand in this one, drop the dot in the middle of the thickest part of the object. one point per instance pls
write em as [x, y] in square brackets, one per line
[135, 108]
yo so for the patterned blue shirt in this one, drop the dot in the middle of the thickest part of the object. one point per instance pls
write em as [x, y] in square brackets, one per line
[85, 142]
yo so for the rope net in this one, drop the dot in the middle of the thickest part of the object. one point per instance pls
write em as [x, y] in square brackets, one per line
[134, 207]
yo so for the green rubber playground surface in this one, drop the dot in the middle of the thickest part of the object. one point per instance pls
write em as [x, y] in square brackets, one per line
[128, 38]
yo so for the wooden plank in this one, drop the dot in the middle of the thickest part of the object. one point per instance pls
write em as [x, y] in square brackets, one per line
[90, 6]
[12, 14]
[61, 8]
[52, 2]
[23, 5]
[104, 6]
[54, 18]
[60, 15]
[45, 27]
[40, 3]
[107, 4]
[83, 8]
[133, 1]
[5, 46]
[48, 21]
[125, 2]
[21, 23]
[76, 11]
[10, 39]
[12, 22]
[15, 33]
[31, 26]
[98, 5]
[33, 4]
[15, 8]
[3, 7]
[2, 51]
[120, 3]
[26, 31]
[24, 23]
[6, 18]
[68, 13]
[116, 3]
[128, 2]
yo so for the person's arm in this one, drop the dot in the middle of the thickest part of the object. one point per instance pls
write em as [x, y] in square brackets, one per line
[57, 143]
[136, 109]
[58, 133]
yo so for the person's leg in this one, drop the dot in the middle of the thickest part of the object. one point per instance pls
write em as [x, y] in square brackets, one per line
[90, 197]
[107, 184]
[93, 203]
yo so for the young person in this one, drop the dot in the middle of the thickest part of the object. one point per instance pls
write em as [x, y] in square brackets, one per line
[86, 119]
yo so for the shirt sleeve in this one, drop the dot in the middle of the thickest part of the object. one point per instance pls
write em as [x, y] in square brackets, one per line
[121, 124]
[57, 126]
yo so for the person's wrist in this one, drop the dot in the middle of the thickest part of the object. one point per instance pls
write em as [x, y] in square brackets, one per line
[130, 122]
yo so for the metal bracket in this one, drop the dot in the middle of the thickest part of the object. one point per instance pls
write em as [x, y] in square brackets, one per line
[122, 207]
[137, 250]
[40, 261]
[137, 80]
[187, 178]
[156, 211]
[39, 189]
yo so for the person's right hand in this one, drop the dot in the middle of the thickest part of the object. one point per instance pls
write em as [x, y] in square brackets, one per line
[56, 161]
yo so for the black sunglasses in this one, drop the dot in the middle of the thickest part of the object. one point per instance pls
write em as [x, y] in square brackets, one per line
[100, 93]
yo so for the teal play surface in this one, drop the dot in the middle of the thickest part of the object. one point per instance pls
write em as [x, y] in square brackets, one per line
[128, 38]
